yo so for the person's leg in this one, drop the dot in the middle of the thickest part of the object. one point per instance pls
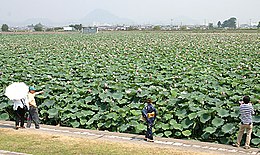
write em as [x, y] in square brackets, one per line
[17, 118]
[35, 117]
[150, 130]
[29, 120]
[147, 132]
[240, 133]
[249, 129]
[22, 114]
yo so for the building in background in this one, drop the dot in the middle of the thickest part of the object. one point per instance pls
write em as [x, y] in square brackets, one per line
[89, 30]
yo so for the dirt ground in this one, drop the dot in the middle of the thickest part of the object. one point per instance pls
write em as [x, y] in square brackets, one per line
[124, 143]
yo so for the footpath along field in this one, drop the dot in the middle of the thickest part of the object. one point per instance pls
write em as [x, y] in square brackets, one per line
[100, 81]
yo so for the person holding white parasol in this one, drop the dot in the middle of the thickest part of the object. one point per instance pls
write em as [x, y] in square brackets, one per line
[17, 92]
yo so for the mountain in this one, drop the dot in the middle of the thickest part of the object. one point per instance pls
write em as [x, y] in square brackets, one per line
[43, 21]
[100, 16]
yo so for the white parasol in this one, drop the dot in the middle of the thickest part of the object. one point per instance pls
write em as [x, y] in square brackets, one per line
[16, 91]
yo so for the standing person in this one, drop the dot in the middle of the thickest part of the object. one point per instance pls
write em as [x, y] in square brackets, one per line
[149, 113]
[20, 108]
[246, 111]
[33, 110]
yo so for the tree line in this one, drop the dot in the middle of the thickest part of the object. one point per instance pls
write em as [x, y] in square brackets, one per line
[229, 23]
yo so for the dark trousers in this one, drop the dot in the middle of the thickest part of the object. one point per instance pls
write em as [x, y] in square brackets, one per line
[19, 116]
[149, 132]
[33, 116]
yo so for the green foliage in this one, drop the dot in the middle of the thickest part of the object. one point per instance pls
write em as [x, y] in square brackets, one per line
[38, 27]
[101, 82]
[230, 23]
[5, 28]
[157, 28]
[77, 26]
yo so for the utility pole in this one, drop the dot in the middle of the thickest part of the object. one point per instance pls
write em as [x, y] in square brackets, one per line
[171, 24]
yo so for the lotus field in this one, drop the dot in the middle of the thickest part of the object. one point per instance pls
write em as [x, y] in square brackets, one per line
[101, 81]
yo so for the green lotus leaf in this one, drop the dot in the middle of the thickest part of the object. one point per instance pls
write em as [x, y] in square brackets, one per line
[210, 130]
[75, 124]
[88, 99]
[224, 140]
[205, 135]
[256, 132]
[88, 113]
[167, 116]
[186, 123]
[167, 133]
[186, 133]
[256, 119]
[83, 121]
[205, 117]
[73, 110]
[227, 128]
[133, 123]
[159, 135]
[3, 105]
[174, 93]
[4, 116]
[256, 141]
[217, 121]
[223, 112]
[165, 126]
[117, 95]
[123, 127]
[192, 115]
[141, 127]
[53, 112]
[175, 125]
[178, 134]
[48, 103]
[173, 122]
[112, 116]
[136, 112]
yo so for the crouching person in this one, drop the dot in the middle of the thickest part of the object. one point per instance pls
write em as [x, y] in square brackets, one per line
[149, 113]
[33, 110]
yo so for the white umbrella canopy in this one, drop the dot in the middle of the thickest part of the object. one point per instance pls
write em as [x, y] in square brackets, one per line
[16, 91]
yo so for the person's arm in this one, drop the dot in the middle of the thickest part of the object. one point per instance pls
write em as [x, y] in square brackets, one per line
[253, 111]
[40, 92]
[144, 113]
[156, 113]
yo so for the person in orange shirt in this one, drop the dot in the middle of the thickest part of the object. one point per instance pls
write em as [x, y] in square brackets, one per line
[33, 110]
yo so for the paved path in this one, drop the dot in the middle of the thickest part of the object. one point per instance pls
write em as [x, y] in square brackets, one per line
[187, 145]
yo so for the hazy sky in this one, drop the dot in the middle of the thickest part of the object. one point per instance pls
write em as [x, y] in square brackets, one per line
[137, 10]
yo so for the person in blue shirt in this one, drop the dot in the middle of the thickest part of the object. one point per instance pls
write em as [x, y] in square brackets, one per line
[149, 113]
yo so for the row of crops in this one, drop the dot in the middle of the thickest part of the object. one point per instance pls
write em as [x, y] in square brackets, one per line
[100, 81]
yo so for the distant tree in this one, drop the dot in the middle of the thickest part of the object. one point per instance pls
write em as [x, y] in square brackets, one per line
[219, 24]
[183, 28]
[5, 28]
[230, 23]
[58, 28]
[131, 28]
[210, 26]
[49, 29]
[157, 28]
[38, 27]
[258, 26]
[77, 26]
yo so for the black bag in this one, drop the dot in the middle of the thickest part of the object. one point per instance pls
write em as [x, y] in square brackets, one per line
[24, 106]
